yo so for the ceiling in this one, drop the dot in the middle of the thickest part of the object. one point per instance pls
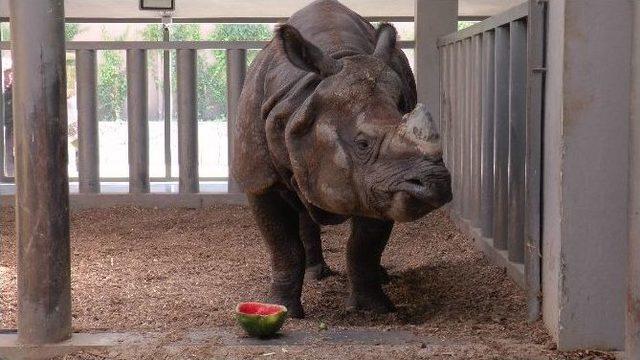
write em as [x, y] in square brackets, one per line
[202, 9]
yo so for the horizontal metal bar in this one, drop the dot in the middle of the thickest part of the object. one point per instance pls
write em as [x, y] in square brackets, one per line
[151, 200]
[169, 45]
[504, 18]
[230, 20]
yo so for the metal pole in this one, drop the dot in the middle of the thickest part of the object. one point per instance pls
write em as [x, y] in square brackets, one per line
[476, 126]
[42, 190]
[517, 139]
[632, 348]
[501, 138]
[488, 81]
[187, 120]
[451, 161]
[457, 119]
[89, 160]
[166, 99]
[236, 71]
[536, 32]
[466, 130]
[138, 121]
[3, 177]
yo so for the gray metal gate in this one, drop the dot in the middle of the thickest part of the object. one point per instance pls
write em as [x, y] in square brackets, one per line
[491, 120]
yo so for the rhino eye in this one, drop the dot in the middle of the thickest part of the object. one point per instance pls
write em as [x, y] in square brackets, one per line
[362, 144]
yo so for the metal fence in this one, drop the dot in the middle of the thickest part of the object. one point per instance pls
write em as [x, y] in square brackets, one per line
[185, 52]
[491, 120]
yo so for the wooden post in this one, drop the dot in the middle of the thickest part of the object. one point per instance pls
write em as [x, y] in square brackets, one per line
[187, 120]
[236, 71]
[42, 190]
[138, 121]
[89, 160]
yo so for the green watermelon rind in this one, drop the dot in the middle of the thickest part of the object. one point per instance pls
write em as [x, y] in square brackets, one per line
[262, 326]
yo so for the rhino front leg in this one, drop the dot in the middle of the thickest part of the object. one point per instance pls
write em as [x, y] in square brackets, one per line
[364, 250]
[317, 268]
[278, 223]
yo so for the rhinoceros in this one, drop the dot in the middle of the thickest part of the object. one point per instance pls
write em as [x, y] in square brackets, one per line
[328, 130]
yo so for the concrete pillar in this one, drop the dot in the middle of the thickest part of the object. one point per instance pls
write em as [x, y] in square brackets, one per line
[236, 71]
[632, 345]
[89, 158]
[585, 174]
[186, 60]
[138, 121]
[42, 192]
[433, 19]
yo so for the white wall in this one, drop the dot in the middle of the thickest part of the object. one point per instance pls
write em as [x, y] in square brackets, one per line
[586, 172]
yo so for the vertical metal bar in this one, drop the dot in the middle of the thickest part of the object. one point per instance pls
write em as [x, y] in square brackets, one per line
[443, 68]
[488, 81]
[166, 101]
[536, 32]
[476, 149]
[42, 191]
[89, 160]
[236, 70]
[450, 159]
[450, 107]
[501, 138]
[138, 121]
[632, 339]
[466, 131]
[3, 177]
[187, 120]
[517, 138]
[457, 142]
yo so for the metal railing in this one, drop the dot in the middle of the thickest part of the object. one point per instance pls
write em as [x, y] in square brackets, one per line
[86, 54]
[491, 120]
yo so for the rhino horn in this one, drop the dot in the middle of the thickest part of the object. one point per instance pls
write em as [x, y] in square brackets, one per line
[420, 123]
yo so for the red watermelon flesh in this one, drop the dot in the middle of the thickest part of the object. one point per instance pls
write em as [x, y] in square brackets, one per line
[257, 308]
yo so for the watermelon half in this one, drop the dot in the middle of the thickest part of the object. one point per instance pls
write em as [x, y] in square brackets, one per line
[260, 319]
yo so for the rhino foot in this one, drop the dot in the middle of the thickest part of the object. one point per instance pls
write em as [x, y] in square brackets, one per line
[318, 272]
[377, 302]
[294, 306]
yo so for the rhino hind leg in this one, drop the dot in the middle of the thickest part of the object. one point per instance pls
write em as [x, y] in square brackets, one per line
[278, 223]
[364, 250]
[317, 268]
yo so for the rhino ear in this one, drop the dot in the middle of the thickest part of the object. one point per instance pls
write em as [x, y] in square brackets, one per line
[304, 54]
[385, 42]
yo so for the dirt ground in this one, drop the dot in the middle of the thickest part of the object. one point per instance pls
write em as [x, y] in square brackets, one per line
[174, 270]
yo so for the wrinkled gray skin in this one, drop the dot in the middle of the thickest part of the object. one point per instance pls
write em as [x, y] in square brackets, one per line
[328, 130]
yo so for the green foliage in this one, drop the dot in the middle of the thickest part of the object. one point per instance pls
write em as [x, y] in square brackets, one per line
[465, 24]
[211, 64]
[212, 85]
[112, 84]
[5, 29]
[71, 30]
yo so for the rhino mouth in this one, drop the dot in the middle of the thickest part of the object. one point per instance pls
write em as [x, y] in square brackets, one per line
[414, 198]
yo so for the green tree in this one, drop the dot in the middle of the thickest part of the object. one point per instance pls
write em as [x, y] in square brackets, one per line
[112, 84]
[211, 65]
[465, 24]
[212, 85]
